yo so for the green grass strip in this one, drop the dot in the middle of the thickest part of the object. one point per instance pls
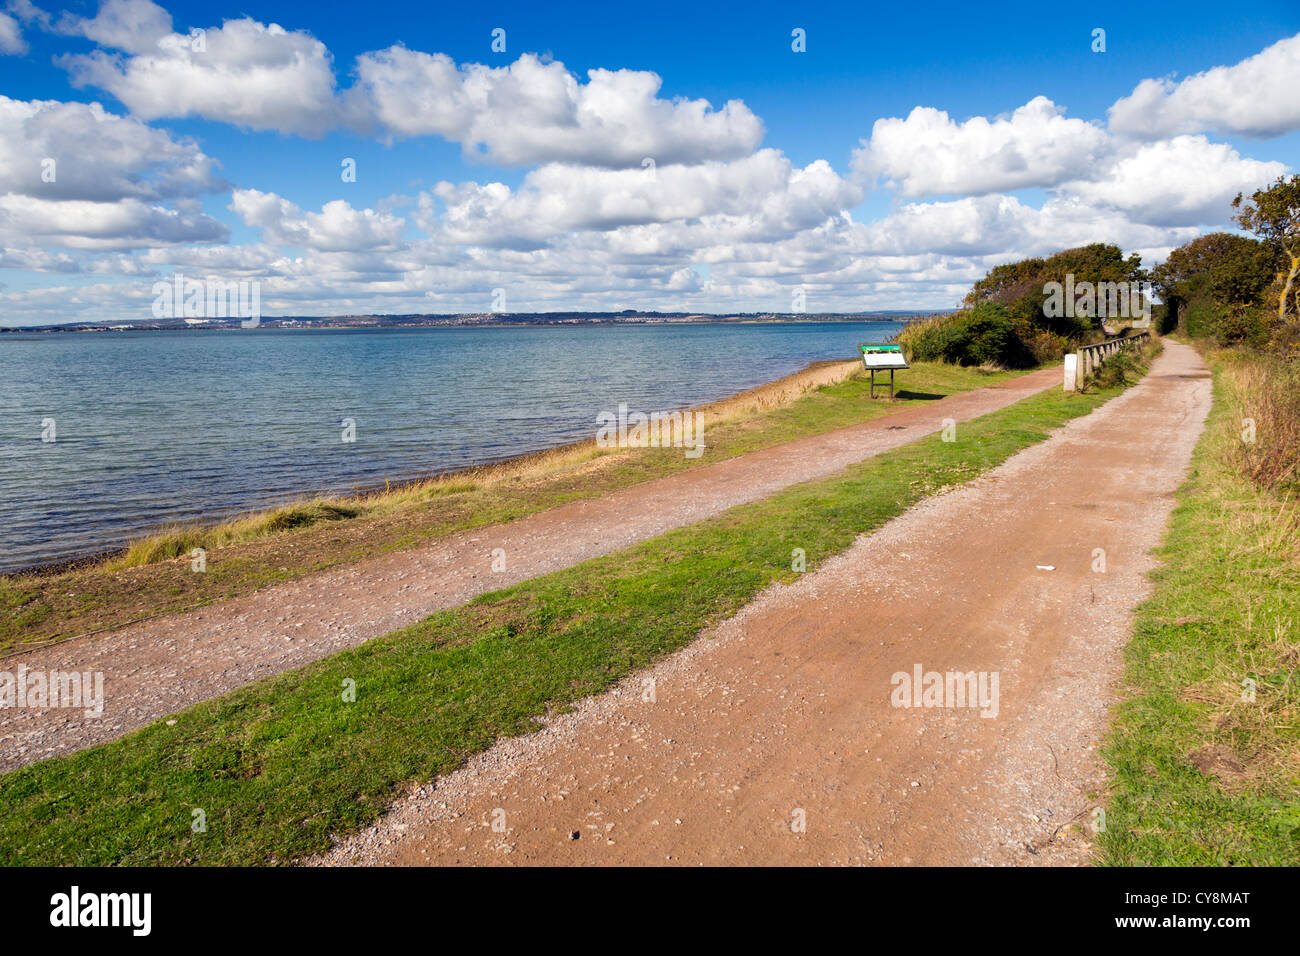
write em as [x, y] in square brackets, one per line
[1203, 775]
[280, 765]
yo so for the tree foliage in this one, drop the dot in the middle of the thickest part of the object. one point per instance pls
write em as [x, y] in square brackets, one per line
[1005, 321]
[1273, 214]
[1227, 269]
[1022, 286]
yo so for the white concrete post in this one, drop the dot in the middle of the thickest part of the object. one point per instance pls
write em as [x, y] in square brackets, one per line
[1071, 372]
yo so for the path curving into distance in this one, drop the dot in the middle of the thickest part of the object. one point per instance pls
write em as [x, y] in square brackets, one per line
[782, 715]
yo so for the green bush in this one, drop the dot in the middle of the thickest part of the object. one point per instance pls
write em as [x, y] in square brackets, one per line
[1116, 370]
[1243, 324]
[1125, 366]
[983, 335]
[1201, 318]
[1022, 287]
[1043, 346]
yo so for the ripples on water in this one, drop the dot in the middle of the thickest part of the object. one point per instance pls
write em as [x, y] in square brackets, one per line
[158, 427]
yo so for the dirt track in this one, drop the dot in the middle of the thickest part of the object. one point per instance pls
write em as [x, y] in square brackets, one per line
[158, 667]
[787, 707]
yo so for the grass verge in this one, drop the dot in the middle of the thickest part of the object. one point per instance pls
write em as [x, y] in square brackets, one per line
[310, 536]
[1204, 771]
[280, 765]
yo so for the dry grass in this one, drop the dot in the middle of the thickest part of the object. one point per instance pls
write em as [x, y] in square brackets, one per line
[781, 392]
[1266, 392]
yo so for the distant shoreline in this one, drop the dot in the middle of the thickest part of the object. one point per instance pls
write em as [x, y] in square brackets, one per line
[509, 320]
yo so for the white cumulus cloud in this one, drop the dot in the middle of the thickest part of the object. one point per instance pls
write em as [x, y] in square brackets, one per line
[337, 227]
[78, 177]
[1260, 96]
[1005, 228]
[765, 189]
[82, 224]
[1184, 181]
[930, 154]
[245, 73]
[533, 111]
[66, 151]
[132, 25]
[11, 36]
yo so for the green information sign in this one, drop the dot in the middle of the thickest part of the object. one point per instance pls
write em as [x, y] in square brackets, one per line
[881, 357]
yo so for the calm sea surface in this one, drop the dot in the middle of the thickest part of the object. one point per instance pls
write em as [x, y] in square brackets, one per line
[156, 427]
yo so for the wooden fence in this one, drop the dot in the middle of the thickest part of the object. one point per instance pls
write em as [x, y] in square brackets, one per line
[1089, 358]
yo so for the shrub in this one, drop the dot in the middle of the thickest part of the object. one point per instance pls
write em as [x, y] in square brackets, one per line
[1022, 286]
[1044, 346]
[1116, 370]
[1249, 324]
[984, 335]
[1125, 366]
[1245, 325]
[1285, 343]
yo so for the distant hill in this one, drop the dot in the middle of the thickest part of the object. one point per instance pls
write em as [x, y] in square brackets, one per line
[628, 317]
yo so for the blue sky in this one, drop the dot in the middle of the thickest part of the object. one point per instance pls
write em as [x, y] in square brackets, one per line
[213, 170]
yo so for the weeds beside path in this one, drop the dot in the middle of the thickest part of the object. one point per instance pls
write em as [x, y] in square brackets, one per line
[1206, 752]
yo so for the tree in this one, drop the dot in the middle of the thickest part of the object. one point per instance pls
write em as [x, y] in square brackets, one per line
[1273, 214]
[1022, 286]
[1006, 283]
[1229, 271]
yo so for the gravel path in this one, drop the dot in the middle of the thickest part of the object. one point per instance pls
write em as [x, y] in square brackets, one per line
[774, 739]
[158, 667]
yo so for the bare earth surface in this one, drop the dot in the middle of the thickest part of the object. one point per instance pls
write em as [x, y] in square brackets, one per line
[783, 713]
[158, 667]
